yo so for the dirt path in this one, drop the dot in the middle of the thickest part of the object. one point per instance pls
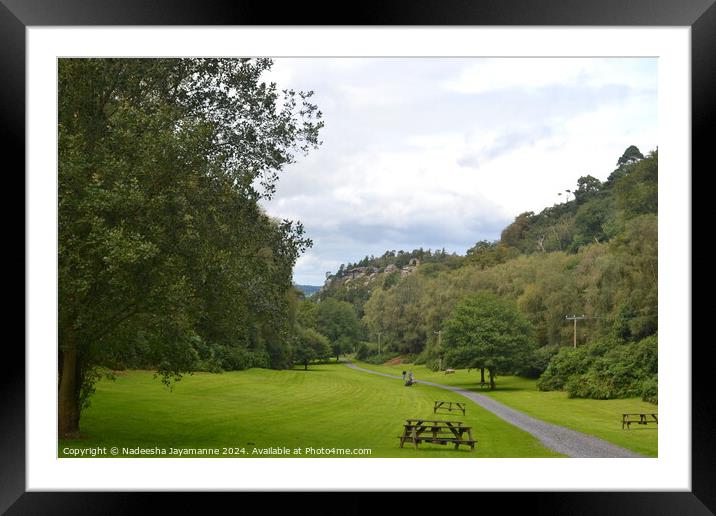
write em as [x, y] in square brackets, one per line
[558, 438]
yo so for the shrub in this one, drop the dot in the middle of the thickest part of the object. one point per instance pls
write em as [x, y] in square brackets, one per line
[650, 390]
[539, 362]
[432, 363]
[567, 363]
[421, 359]
[239, 358]
[209, 366]
[606, 369]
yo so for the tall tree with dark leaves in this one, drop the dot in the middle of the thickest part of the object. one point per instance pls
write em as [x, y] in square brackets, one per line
[162, 163]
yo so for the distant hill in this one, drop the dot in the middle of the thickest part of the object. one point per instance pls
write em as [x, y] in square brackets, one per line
[308, 290]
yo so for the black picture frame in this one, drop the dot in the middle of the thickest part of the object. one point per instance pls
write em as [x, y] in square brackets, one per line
[17, 15]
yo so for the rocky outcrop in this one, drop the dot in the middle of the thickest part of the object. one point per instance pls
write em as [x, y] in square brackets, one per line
[358, 275]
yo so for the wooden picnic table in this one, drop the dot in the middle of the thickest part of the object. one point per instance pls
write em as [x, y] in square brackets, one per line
[437, 431]
[449, 406]
[639, 419]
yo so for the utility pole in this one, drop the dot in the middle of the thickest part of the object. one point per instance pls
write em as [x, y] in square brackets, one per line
[575, 318]
[439, 333]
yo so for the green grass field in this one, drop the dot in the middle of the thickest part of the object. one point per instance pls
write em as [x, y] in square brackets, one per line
[601, 418]
[328, 406]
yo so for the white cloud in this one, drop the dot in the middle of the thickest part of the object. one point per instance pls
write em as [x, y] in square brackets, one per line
[485, 75]
[444, 152]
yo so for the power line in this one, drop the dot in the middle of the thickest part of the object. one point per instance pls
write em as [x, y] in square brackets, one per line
[612, 318]
[540, 313]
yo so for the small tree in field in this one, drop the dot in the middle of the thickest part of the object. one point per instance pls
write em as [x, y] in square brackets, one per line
[486, 332]
[309, 346]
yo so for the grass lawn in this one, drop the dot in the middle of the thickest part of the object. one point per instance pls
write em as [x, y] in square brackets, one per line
[328, 406]
[601, 418]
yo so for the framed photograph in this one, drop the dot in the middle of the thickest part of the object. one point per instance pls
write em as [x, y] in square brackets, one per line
[268, 255]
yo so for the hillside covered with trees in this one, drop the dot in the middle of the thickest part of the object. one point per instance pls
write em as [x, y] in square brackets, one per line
[167, 261]
[593, 255]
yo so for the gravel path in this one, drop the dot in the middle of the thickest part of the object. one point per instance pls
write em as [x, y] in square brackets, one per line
[558, 438]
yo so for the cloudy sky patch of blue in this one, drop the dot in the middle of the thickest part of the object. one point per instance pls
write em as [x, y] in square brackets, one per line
[440, 153]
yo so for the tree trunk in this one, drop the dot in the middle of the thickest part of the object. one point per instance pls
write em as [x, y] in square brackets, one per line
[69, 388]
[492, 380]
[482, 375]
[305, 366]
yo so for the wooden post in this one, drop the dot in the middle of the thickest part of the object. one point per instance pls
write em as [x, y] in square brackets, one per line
[575, 319]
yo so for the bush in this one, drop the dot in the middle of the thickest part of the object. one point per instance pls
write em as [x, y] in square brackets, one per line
[606, 369]
[650, 390]
[567, 363]
[432, 363]
[421, 359]
[240, 358]
[209, 366]
[539, 362]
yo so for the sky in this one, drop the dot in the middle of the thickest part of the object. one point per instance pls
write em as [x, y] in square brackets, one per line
[444, 152]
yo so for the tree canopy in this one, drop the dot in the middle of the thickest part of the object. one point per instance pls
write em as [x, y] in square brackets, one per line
[337, 320]
[487, 332]
[309, 346]
[631, 155]
[162, 243]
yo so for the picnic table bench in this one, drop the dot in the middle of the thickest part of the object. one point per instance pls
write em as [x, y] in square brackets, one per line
[639, 419]
[449, 406]
[437, 431]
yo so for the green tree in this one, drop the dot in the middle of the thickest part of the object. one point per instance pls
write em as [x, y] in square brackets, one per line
[309, 345]
[631, 155]
[487, 332]
[513, 234]
[400, 314]
[590, 221]
[306, 314]
[587, 187]
[635, 257]
[344, 344]
[487, 254]
[338, 321]
[161, 238]
[637, 192]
